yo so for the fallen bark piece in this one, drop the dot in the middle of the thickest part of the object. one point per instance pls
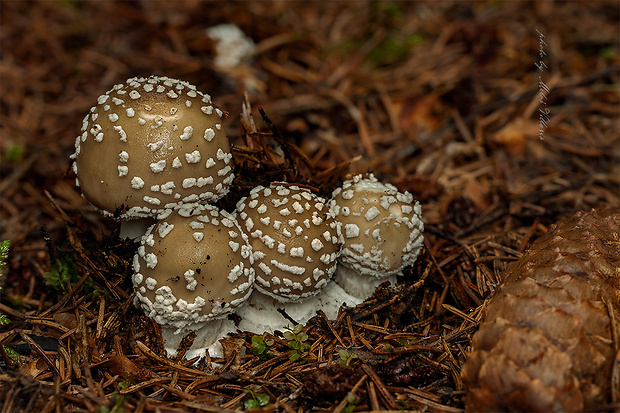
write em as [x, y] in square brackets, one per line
[550, 335]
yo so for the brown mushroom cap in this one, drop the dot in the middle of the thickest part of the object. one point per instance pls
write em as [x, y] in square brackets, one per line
[294, 238]
[150, 145]
[193, 266]
[382, 227]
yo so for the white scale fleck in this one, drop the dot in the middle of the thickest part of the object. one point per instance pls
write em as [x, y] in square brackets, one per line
[167, 188]
[265, 269]
[268, 241]
[219, 112]
[176, 163]
[351, 230]
[130, 112]
[121, 132]
[372, 213]
[113, 117]
[173, 111]
[224, 171]
[158, 166]
[189, 182]
[188, 131]
[102, 99]
[155, 146]
[285, 212]
[148, 87]
[134, 94]
[190, 280]
[151, 200]
[193, 157]
[281, 248]
[234, 246]
[196, 225]
[137, 183]
[265, 220]
[298, 208]
[191, 93]
[406, 209]
[207, 109]
[261, 209]
[123, 156]
[141, 122]
[160, 89]
[122, 171]
[164, 229]
[210, 163]
[154, 188]
[376, 234]
[218, 126]
[172, 95]
[151, 283]
[293, 269]
[151, 260]
[252, 204]
[202, 181]
[317, 245]
[297, 252]
[209, 134]
[198, 236]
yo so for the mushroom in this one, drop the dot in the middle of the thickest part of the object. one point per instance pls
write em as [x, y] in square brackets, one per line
[382, 232]
[295, 242]
[151, 145]
[192, 269]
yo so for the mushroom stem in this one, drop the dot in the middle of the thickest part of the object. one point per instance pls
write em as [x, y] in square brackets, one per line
[135, 228]
[260, 312]
[361, 286]
[207, 335]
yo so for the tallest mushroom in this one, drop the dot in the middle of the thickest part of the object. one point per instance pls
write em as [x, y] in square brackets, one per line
[150, 146]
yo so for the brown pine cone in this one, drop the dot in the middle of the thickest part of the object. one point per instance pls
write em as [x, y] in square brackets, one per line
[550, 337]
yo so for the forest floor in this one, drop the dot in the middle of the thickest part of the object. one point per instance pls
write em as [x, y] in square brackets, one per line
[500, 117]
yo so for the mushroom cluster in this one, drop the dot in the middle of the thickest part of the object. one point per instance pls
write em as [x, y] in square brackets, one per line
[154, 148]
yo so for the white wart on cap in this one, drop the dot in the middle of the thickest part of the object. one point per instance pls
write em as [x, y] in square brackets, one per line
[194, 266]
[382, 227]
[150, 145]
[294, 238]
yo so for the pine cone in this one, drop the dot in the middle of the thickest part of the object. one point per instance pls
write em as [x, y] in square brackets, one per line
[550, 336]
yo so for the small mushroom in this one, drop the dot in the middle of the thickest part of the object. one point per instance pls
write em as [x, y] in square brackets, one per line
[382, 231]
[151, 145]
[295, 242]
[192, 269]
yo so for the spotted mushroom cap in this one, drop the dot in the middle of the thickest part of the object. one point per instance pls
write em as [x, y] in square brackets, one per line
[152, 144]
[294, 238]
[382, 227]
[193, 266]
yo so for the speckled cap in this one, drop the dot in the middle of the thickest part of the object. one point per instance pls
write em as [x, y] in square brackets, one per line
[150, 145]
[294, 238]
[382, 227]
[193, 266]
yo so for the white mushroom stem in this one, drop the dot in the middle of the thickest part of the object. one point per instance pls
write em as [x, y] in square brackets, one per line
[135, 228]
[207, 335]
[361, 286]
[260, 314]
